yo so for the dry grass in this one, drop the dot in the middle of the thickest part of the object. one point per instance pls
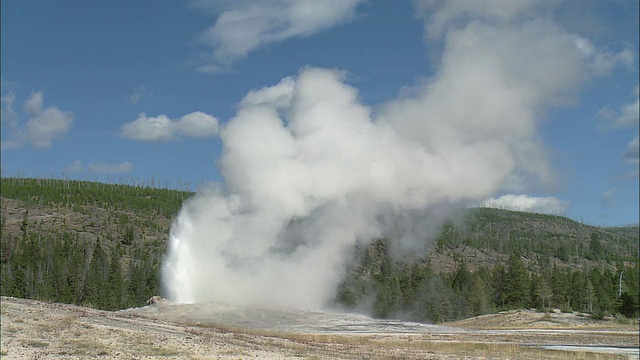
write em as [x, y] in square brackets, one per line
[159, 351]
[108, 335]
[381, 346]
[34, 343]
[85, 347]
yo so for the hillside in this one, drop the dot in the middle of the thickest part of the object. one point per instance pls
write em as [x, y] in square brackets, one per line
[84, 242]
[101, 245]
[485, 260]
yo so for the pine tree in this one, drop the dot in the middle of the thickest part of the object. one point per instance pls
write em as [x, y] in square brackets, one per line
[544, 292]
[115, 281]
[516, 287]
[479, 298]
[596, 250]
[498, 280]
[95, 287]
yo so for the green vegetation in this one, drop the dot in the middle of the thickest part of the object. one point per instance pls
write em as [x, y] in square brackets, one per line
[533, 261]
[74, 193]
[93, 244]
[101, 245]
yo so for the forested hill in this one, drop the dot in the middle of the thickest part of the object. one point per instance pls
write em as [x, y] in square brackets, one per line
[490, 259]
[540, 236]
[88, 243]
[101, 245]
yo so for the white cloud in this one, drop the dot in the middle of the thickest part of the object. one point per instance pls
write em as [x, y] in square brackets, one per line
[440, 15]
[197, 125]
[627, 116]
[43, 126]
[161, 128]
[33, 105]
[602, 61]
[542, 205]
[279, 95]
[8, 115]
[631, 155]
[124, 167]
[244, 26]
[629, 113]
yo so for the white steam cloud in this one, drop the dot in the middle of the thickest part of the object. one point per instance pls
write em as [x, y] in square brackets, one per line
[310, 172]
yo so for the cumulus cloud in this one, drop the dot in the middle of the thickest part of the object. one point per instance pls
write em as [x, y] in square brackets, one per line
[161, 128]
[124, 167]
[309, 171]
[244, 26]
[526, 203]
[44, 124]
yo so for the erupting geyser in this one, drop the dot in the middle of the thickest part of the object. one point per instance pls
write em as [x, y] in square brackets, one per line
[309, 171]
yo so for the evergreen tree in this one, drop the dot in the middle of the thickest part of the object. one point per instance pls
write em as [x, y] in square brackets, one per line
[436, 300]
[596, 250]
[516, 287]
[95, 287]
[479, 296]
[576, 289]
[560, 286]
[498, 281]
[461, 278]
[544, 292]
[115, 281]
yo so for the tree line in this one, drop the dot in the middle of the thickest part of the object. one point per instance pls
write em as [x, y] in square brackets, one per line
[62, 267]
[412, 289]
[104, 251]
[75, 193]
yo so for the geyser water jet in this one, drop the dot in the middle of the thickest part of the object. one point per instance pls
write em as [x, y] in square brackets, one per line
[309, 171]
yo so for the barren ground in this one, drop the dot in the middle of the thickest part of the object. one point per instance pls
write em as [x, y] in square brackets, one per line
[39, 330]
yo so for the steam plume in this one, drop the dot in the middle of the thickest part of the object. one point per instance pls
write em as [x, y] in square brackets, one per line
[309, 171]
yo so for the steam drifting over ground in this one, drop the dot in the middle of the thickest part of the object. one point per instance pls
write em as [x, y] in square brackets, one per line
[310, 171]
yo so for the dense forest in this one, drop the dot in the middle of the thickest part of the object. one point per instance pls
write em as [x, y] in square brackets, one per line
[87, 243]
[500, 260]
[101, 245]
[418, 291]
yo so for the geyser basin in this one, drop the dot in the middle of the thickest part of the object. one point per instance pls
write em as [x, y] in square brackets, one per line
[283, 320]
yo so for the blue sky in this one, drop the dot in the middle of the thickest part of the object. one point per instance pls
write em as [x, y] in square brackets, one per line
[142, 90]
